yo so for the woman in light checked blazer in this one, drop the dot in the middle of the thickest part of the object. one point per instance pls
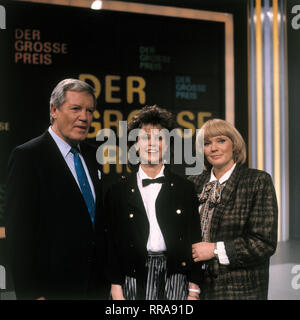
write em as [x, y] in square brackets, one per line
[238, 213]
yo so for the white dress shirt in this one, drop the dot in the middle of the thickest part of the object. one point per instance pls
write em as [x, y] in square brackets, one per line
[223, 258]
[65, 150]
[149, 194]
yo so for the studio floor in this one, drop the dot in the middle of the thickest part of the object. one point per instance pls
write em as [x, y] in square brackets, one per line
[284, 281]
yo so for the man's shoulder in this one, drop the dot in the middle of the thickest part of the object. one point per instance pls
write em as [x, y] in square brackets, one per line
[32, 145]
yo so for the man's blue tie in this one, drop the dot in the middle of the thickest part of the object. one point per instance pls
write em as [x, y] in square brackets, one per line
[84, 184]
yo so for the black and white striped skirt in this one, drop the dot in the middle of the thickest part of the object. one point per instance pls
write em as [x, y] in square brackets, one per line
[158, 286]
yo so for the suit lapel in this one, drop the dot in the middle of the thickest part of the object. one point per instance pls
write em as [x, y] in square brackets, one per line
[164, 198]
[57, 166]
[140, 223]
[134, 197]
[57, 162]
[227, 192]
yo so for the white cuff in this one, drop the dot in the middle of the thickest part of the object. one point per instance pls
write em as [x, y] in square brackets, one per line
[223, 259]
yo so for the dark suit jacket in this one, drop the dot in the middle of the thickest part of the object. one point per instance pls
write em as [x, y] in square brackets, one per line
[128, 227]
[246, 220]
[50, 237]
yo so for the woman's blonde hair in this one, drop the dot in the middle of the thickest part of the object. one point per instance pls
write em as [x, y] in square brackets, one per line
[219, 127]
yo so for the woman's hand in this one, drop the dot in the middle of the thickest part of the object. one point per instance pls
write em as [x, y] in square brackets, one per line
[192, 297]
[117, 292]
[194, 291]
[202, 251]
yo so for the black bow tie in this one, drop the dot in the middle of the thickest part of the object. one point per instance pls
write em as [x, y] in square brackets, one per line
[146, 182]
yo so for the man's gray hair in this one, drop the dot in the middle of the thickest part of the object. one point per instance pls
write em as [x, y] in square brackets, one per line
[58, 95]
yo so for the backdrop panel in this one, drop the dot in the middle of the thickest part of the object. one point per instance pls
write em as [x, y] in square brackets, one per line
[132, 60]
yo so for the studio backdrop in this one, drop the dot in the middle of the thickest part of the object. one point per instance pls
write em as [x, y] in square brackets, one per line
[182, 60]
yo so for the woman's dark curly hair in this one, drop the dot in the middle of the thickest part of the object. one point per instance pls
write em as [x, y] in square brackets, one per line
[152, 115]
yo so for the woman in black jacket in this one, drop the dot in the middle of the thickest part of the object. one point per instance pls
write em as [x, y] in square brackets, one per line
[152, 221]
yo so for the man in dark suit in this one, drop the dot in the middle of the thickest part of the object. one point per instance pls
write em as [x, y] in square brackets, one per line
[54, 204]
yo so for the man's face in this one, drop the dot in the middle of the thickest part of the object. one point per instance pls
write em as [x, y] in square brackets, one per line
[72, 121]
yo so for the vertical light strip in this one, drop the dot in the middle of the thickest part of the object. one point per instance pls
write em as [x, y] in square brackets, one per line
[276, 98]
[252, 95]
[229, 76]
[268, 114]
[284, 126]
[259, 88]
[268, 87]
